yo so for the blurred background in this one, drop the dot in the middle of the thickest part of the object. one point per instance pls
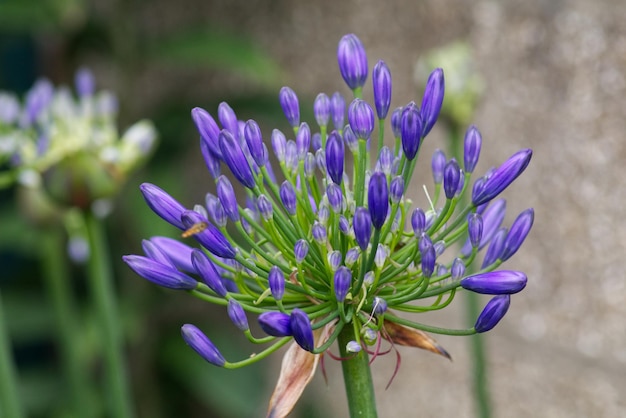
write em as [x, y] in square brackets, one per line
[553, 79]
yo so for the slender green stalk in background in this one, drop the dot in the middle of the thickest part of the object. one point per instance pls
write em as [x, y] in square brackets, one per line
[480, 386]
[101, 284]
[357, 377]
[9, 399]
[56, 276]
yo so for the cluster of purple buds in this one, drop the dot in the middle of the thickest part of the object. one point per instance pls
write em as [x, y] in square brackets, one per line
[316, 242]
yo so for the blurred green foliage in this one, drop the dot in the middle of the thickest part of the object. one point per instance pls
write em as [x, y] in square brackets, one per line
[51, 38]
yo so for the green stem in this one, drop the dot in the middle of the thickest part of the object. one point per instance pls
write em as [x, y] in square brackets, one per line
[56, 276]
[9, 399]
[479, 365]
[101, 284]
[357, 378]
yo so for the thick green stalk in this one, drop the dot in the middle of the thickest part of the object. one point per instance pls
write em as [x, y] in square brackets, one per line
[101, 283]
[357, 378]
[9, 399]
[56, 276]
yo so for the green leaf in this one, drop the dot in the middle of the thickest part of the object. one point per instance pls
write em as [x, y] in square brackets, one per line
[209, 48]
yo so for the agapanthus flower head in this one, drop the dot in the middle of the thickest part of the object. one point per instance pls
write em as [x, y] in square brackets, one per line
[320, 247]
[68, 146]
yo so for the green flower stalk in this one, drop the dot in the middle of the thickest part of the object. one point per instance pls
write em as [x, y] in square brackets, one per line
[63, 151]
[320, 253]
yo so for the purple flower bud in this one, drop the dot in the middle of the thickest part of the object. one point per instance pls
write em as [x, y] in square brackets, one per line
[211, 160]
[438, 164]
[396, 189]
[215, 210]
[335, 157]
[418, 221]
[496, 247]
[337, 110]
[440, 247]
[362, 225]
[279, 144]
[381, 78]
[155, 253]
[451, 177]
[396, 122]
[353, 347]
[206, 270]
[351, 256]
[343, 279]
[309, 165]
[211, 238]
[429, 256]
[321, 109]
[475, 229]
[458, 269]
[276, 324]
[411, 130]
[352, 61]
[227, 197]
[288, 197]
[254, 140]
[369, 278]
[502, 177]
[344, 225]
[84, 82]
[319, 233]
[202, 345]
[517, 234]
[381, 255]
[334, 260]
[300, 250]
[378, 199]
[492, 219]
[303, 140]
[385, 160]
[323, 213]
[335, 197]
[361, 118]
[37, 99]
[320, 160]
[380, 305]
[424, 242]
[289, 103]
[178, 253]
[495, 282]
[276, 280]
[291, 156]
[432, 100]
[265, 207]
[493, 312]
[161, 274]
[471, 148]
[350, 138]
[235, 159]
[163, 204]
[237, 315]
[228, 119]
[441, 270]
[316, 141]
[9, 108]
[301, 329]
